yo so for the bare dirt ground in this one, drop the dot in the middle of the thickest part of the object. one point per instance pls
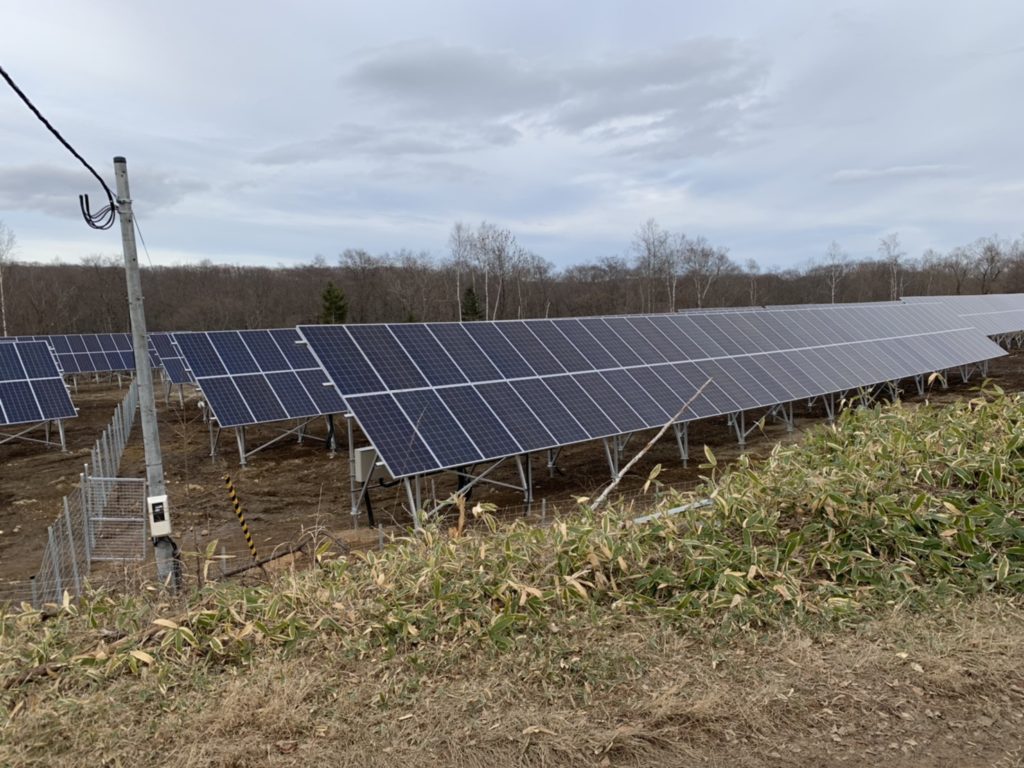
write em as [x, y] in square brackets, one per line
[289, 489]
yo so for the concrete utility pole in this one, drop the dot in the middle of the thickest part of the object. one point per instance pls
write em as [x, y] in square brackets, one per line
[166, 551]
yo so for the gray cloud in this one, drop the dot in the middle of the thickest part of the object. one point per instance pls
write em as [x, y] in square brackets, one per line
[54, 190]
[688, 99]
[895, 172]
[351, 139]
[447, 81]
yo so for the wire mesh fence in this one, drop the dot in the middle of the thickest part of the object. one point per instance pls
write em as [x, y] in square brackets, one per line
[103, 519]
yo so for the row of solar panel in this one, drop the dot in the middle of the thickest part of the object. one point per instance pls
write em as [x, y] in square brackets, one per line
[377, 358]
[422, 430]
[258, 376]
[109, 352]
[88, 353]
[992, 314]
[31, 387]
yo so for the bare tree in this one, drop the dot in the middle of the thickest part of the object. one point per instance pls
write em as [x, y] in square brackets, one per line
[460, 246]
[837, 264]
[990, 260]
[656, 257]
[753, 272]
[7, 243]
[959, 264]
[704, 263]
[892, 252]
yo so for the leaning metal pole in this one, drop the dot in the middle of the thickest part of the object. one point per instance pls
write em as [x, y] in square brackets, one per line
[164, 545]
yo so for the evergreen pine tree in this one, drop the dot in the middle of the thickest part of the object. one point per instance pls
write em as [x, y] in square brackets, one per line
[334, 306]
[470, 306]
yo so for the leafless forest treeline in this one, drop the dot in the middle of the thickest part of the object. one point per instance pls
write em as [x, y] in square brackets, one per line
[663, 271]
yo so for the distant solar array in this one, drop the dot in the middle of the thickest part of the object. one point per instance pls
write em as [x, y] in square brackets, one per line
[994, 314]
[31, 387]
[88, 352]
[257, 376]
[444, 395]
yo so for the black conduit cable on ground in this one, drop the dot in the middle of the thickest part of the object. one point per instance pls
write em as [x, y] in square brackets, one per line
[105, 217]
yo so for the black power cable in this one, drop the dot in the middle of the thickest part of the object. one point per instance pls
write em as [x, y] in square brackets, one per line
[102, 219]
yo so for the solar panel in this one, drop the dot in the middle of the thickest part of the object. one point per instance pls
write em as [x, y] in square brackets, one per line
[993, 314]
[254, 376]
[31, 386]
[171, 359]
[536, 384]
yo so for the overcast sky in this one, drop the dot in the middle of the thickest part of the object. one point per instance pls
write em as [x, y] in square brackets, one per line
[260, 135]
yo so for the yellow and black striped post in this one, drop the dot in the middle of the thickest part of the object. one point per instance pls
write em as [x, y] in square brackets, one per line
[238, 511]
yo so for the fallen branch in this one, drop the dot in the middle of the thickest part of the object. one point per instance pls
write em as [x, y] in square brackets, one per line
[622, 473]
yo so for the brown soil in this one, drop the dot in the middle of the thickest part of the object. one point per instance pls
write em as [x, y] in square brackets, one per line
[290, 489]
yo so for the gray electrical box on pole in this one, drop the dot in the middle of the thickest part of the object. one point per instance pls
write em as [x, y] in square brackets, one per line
[156, 503]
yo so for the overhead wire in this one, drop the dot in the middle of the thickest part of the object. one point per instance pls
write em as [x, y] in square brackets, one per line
[101, 219]
[135, 220]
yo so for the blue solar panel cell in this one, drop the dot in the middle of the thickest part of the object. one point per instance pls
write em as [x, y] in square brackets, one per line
[717, 334]
[419, 343]
[388, 358]
[227, 403]
[437, 428]
[460, 347]
[483, 426]
[774, 368]
[753, 375]
[233, 353]
[635, 340]
[60, 344]
[19, 403]
[707, 346]
[582, 407]
[175, 368]
[10, 363]
[517, 416]
[342, 359]
[556, 419]
[292, 394]
[611, 341]
[37, 360]
[638, 398]
[321, 391]
[399, 446]
[201, 355]
[688, 348]
[666, 347]
[550, 335]
[530, 348]
[499, 350]
[685, 379]
[294, 348]
[258, 395]
[584, 341]
[264, 350]
[614, 406]
[53, 398]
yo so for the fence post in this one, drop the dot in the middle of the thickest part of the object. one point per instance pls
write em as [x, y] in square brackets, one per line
[51, 548]
[87, 543]
[74, 554]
